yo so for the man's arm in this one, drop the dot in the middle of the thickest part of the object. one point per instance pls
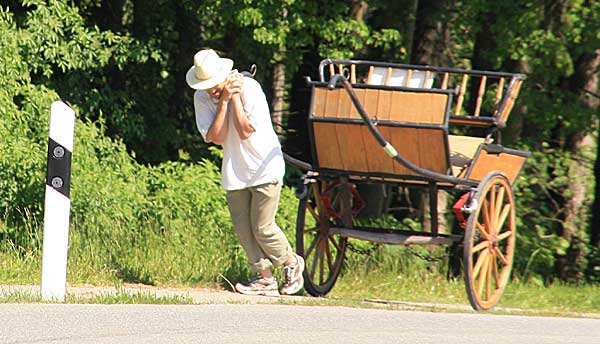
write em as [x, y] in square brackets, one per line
[218, 129]
[240, 120]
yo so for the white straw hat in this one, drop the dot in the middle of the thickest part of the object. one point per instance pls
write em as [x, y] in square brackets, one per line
[208, 70]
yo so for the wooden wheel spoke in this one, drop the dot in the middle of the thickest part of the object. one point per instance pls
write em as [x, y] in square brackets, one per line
[483, 276]
[488, 289]
[480, 246]
[498, 206]
[315, 262]
[492, 209]
[321, 253]
[334, 243]
[312, 229]
[501, 256]
[480, 260]
[495, 271]
[502, 217]
[329, 256]
[481, 229]
[313, 245]
[313, 212]
[486, 216]
[505, 235]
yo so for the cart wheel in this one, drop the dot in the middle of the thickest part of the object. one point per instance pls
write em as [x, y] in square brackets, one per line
[323, 252]
[489, 242]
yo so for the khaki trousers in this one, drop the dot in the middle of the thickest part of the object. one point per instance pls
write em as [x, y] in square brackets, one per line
[253, 215]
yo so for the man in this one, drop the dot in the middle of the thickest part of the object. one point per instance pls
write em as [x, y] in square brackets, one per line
[232, 111]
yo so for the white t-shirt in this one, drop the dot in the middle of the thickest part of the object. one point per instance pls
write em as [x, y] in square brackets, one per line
[254, 161]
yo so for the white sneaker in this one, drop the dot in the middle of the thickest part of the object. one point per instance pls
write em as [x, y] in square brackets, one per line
[259, 286]
[292, 277]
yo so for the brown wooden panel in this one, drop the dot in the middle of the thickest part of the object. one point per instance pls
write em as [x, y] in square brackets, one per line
[319, 99]
[484, 163]
[432, 150]
[406, 142]
[353, 112]
[384, 105]
[326, 145]
[413, 107]
[370, 102]
[377, 160]
[345, 103]
[332, 103]
[352, 148]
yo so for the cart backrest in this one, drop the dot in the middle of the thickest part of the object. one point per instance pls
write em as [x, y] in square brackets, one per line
[415, 123]
[483, 98]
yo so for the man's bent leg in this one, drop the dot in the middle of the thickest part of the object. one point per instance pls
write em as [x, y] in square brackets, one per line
[239, 203]
[272, 240]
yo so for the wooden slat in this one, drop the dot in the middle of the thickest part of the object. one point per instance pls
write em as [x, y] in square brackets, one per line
[388, 76]
[353, 112]
[480, 94]
[512, 96]
[408, 77]
[432, 148]
[461, 94]
[370, 74]
[499, 92]
[406, 142]
[353, 73]
[326, 145]
[415, 107]
[445, 81]
[332, 103]
[352, 148]
[319, 99]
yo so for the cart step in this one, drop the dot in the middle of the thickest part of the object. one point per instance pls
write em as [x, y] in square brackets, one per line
[398, 237]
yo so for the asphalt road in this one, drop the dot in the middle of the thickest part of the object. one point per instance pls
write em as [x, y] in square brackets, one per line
[272, 323]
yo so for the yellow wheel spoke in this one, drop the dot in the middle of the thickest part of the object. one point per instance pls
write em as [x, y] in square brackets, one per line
[481, 229]
[498, 208]
[479, 263]
[501, 256]
[495, 271]
[483, 275]
[505, 235]
[480, 246]
[502, 217]
[486, 216]
[492, 210]
[490, 267]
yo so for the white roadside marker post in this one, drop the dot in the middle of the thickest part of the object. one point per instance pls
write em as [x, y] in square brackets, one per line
[57, 203]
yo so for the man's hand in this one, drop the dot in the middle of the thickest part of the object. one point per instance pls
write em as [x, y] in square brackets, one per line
[233, 85]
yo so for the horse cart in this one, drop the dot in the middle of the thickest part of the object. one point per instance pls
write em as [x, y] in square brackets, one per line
[386, 123]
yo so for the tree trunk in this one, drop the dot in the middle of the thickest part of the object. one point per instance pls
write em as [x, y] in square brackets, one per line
[428, 43]
[584, 83]
[278, 94]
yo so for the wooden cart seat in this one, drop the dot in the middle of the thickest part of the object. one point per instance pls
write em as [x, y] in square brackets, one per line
[462, 152]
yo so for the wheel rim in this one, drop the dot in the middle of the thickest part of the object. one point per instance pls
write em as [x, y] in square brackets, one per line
[490, 242]
[323, 252]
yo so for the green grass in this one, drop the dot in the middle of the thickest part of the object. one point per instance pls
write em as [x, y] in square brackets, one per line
[177, 255]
